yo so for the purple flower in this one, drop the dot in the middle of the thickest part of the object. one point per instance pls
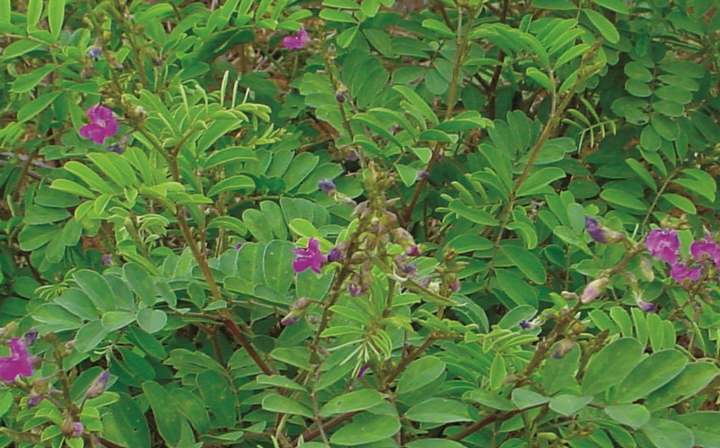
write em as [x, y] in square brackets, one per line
[680, 272]
[117, 148]
[701, 250]
[18, 363]
[326, 185]
[98, 386]
[106, 260]
[309, 258]
[334, 254]
[30, 337]
[34, 400]
[94, 53]
[354, 289]
[362, 371]
[600, 233]
[77, 430]
[103, 124]
[663, 244]
[422, 174]
[297, 42]
[239, 246]
[290, 319]
[525, 325]
[412, 250]
[455, 286]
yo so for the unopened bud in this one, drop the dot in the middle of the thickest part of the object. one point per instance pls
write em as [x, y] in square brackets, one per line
[646, 269]
[98, 386]
[594, 289]
[563, 348]
[600, 233]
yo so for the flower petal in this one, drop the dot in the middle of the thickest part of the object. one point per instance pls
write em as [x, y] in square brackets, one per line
[94, 132]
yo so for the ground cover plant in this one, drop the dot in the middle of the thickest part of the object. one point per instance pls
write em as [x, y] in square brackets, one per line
[359, 223]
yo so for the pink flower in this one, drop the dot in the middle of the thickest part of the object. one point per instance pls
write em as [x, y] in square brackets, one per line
[593, 290]
[18, 363]
[663, 244]
[103, 124]
[707, 249]
[297, 42]
[681, 272]
[309, 258]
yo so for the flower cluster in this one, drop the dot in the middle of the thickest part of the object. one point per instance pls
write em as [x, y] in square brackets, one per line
[297, 42]
[664, 245]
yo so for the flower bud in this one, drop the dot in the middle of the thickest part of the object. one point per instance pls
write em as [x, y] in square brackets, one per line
[326, 185]
[594, 289]
[563, 348]
[569, 295]
[600, 233]
[30, 337]
[646, 269]
[98, 386]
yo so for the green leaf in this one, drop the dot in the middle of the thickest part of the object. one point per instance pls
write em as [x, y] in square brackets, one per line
[34, 11]
[624, 199]
[602, 24]
[219, 397]
[346, 37]
[140, 282]
[71, 187]
[642, 173]
[97, 288]
[705, 425]
[540, 78]
[611, 365]
[192, 408]
[650, 374]
[239, 184]
[279, 381]
[115, 320]
[438, 410]
[167, 418]
[366, 428]
[539, 181]
[680, 202]
[370, 7]
[524, 398]
[633, 415]
[516, 287]
[614, 5]
[419, 374]
[439, 27]
[36, 106]
[151, 320]
[489, 399]
[691, 380]
[229, 223]
[358, 400]
[279, 404]
[56, 15]
[434, 443]
[37, 215]
[332, 15]
[90, 336]
[568, 404]
[418, 103]
[668, 434]
[27, 82]
[528, 263]
[125, 424]
[477, 216]
[560, 5]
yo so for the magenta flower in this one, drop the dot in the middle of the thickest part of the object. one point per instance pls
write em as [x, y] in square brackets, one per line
[18, 363]
[706, 249]
[309, 258]
[663, 244]
[297, 42]
[600, 233]
[103, 124]
[680, 272]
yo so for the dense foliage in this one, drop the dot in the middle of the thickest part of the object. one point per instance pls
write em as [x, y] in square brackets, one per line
[267, 223]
